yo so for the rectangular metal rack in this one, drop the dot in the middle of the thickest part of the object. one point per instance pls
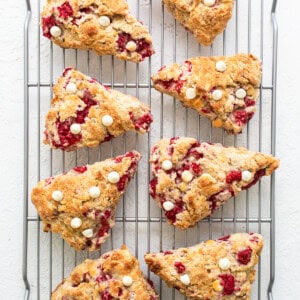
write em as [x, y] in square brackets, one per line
[139, 223]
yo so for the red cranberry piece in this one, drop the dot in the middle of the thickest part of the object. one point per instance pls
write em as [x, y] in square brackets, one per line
[249, 102]
[122, 41]
[179, 267]
[257, 176]
[143, 48]
[205, 110]
[106, 295]
[244, 256]
[120, 292]
[196, 168]
[168, 252]
[103, 277]
[48, 181]
[172, 142]
[108, 137]
[150, 282]
[178, 208]
[119, 159]
[47, 23]
[65, 10]
[80, 169]
[153, 298]
[104, 221]
[242, 117]
[162, 68]
[224, 238]
[143, 122]
[66, 138]
[233, 176]
[152, 187]
[66, 71]
[122, 183]
[88, 243]
[188, 64]
[227, 281]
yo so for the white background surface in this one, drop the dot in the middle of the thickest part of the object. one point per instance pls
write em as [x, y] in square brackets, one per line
[288, 142]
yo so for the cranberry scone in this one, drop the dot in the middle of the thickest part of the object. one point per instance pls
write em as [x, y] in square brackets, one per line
[205, 19]
[215, 269]
[191, 179]
[80, 204]
[222, 88]
[115, 275]
[85, 113]
[103, 26]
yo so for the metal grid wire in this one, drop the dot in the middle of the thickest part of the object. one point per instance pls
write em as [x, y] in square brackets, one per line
[47, 259]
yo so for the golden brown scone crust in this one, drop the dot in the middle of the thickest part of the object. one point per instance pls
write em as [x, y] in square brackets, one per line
[201, 264]
[203, 21]
[87, 106]
[95, 213]
[243, 71]
[79, 23]
[97, 279]
[216, 175]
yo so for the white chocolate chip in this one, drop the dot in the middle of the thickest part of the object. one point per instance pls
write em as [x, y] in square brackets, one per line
[88, 233]
[217, 95]
[221, 66]
[55, 31]
[209, 2]
[167, 165]
[186, 176]
[94, 192]
[76, 223]
[185, 279]
[168, 205]
[75, 128]
[107, 120]
[224, 263]
[191, 93]
[241, 93]
[104, 21]
[131, 46]
[71, 88]
[246, 176]
[57, 195]
[113, 177]
[127, 280]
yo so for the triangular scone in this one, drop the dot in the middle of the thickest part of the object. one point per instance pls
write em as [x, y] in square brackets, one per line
[115, 275]
[205, 18]
[222, 88]
[220, 269]
[104, 26]
[85, 113]
[80, 205]
[191, 180]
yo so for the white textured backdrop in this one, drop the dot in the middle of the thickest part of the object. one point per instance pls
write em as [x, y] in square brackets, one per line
[11, 159]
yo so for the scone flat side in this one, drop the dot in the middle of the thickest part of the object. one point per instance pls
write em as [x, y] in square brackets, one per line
[216, 174]
[102, 278]
[80, 26]
[86, 106]
[203, 21]
[96, 213]
[207, 277]
[242, 71]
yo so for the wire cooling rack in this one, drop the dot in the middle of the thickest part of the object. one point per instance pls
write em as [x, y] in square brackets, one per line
[139, 222]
